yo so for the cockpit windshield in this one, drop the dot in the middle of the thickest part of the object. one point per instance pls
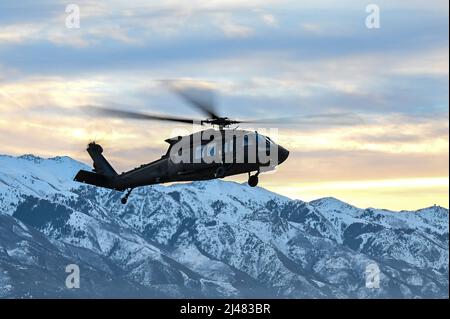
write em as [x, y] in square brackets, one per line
[264, 142]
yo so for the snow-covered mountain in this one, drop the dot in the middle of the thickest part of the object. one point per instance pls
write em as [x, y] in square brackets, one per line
[206, 239]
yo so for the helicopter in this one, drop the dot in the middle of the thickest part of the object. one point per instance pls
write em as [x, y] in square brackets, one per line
[203, 155]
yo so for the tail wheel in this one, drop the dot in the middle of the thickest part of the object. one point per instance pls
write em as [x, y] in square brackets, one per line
[253, 181]
[124, 199]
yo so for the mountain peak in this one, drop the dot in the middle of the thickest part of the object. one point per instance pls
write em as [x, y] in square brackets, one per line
[34, 159]
[436, 210]
[31, 157]
[327, 199]
[61, 159]
[331, 203]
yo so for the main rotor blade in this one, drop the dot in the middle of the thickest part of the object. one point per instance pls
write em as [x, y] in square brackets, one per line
[202, 99]
[138, 116]
[325, 119]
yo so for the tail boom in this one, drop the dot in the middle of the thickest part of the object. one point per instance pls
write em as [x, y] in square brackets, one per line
[96, 179]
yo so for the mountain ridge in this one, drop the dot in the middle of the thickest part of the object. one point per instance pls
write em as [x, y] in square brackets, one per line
[82, 165]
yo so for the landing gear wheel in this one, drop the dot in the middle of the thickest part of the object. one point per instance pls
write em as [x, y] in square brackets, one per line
[253, 181]
[124, 199]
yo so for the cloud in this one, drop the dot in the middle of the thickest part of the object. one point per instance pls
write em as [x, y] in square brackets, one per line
[232, 29]
[270, 20]
[17, 33]
[311, 27]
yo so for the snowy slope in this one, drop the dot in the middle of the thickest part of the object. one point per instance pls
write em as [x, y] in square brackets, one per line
[216, 238]
[35, 176]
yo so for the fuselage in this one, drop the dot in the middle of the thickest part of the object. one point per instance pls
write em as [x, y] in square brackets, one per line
[206, 155]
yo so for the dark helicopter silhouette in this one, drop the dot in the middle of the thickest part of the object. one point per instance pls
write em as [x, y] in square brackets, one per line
[203, 155]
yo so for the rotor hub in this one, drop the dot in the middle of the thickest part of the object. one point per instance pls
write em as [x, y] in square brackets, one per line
[220, 121]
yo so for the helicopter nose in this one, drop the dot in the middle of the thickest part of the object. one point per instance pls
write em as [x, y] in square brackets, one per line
[282, 154]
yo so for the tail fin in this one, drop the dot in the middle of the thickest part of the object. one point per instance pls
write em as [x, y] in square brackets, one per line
[101, 165]
[104, 175]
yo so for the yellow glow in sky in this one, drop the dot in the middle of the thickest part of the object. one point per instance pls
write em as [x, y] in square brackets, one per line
[396, 194]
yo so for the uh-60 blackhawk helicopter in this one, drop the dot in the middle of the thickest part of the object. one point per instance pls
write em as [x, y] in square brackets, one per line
[203, 155]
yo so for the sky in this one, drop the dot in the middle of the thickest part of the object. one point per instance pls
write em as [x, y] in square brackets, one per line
[264, 59]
